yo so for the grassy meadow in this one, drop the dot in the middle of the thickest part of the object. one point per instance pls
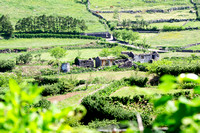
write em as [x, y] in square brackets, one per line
[42, 42]
[180, 14]
[17, 9]
[184, 24]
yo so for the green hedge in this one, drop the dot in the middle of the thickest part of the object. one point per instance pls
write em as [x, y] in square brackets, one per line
[48, 35]
[7, 65]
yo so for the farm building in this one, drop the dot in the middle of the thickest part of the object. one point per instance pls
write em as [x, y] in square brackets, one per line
[84, 63]
[104, 61]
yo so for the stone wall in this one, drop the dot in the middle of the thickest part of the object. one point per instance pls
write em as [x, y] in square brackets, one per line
[98, 34]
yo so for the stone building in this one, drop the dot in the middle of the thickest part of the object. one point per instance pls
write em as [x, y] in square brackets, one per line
[124, 63]
[104, 61]
[143, 58]
[84, 63]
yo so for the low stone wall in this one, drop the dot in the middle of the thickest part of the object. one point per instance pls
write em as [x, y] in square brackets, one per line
[98, 34]
[12, 50]
[189, 51]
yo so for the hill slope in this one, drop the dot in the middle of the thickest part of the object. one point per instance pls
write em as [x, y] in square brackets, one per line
[17, 9]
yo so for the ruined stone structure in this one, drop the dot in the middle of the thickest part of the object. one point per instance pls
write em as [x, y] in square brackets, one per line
[124, 63]
[104, 61]
[143, 58]
[84, 63]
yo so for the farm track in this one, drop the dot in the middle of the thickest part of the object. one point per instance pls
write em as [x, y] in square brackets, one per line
[102, 87]
[110, 40]
[63, 97]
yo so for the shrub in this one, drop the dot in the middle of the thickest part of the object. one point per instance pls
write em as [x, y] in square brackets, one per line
[45, 80]
[43, 103]
[50, 90]
[173, 28]
[136, 80]
[24, 58]
[6, 65]
[47, 71]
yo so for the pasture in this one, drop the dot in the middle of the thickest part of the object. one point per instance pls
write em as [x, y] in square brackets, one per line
[180, 14]
[136, 4]
[41, 42]
[181, 38]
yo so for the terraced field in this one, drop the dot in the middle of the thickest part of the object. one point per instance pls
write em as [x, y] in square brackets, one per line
[136, 4]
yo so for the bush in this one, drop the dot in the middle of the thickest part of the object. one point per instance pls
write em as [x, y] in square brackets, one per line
[47, 71]
[6, 65]
[173, 28]
[24, 58]
[136, 80]
[45, 80]
[43, 103]
[50, 90]
[103, 124]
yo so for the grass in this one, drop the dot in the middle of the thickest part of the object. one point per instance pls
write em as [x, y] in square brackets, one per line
[108, 75]
[72, 54]
[181, 38]
[41, 42]
[74, 100]
[194, 47]
[17, 9]
[177, 54]
[136, 4]
[132, 91]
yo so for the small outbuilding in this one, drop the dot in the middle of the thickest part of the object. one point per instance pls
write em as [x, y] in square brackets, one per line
[104, 61]
[65, 67]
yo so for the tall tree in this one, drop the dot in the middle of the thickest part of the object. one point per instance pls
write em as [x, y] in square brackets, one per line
[58, 53]
[6, 26]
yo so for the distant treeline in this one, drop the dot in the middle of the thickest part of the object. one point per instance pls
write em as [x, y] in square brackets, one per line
[50, 24]
[42, 24]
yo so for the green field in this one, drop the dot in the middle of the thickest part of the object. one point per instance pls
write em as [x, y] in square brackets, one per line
[136, 4]
[17, 9]
[181, 38]
[194, 47]
[184, 24]
[181, 14]
[108, 75]
[41, 42]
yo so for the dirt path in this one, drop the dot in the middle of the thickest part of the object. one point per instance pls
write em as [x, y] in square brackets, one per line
[63, 97]
[102, 87]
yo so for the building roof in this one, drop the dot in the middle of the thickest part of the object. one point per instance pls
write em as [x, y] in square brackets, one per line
[106, 58]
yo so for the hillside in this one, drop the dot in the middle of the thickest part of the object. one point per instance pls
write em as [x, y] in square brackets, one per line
[17, 9]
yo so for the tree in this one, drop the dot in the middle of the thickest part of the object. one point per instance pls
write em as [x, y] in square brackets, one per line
[116, 51]
[58, 53]
[6, 26]
[105, 52]
[116, 34]
[134, 36]
[116, 14]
